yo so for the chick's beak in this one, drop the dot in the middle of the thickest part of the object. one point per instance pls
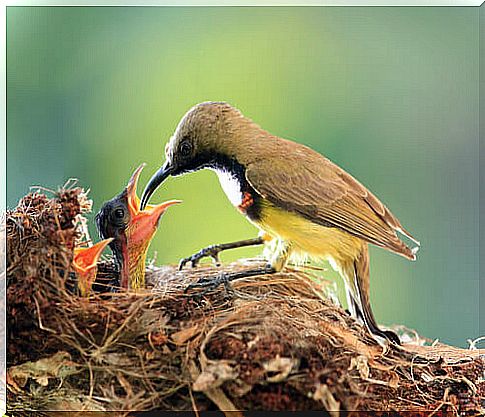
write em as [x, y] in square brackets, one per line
[140, 230]
[144, 224]
[146, 218]
[133, 200]
[84, 264]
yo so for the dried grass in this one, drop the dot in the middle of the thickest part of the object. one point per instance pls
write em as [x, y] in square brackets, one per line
[275, 343]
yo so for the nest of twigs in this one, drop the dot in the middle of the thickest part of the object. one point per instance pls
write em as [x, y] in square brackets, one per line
[272, 343]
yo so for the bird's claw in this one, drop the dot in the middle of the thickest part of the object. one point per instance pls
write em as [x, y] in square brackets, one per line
[209, 284]
[211, 251]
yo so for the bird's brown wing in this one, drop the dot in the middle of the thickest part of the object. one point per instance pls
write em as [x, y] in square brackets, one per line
[303, 181]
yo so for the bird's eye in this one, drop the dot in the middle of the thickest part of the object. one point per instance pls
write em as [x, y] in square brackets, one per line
[119, 213]
[185, 148]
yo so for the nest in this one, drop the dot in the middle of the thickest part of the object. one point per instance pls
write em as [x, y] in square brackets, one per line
[269, 343]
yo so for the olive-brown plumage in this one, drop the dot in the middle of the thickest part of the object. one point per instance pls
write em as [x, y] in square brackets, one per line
[298, 179]
[298, 198]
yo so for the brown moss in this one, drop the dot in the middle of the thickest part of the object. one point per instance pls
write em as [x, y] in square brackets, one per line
[275, 343]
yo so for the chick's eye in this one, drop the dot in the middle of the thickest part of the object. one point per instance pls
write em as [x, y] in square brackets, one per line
[119, 213]
[185, 148]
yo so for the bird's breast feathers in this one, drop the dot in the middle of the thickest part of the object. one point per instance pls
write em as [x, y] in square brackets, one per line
[231, 186]
[306, 237]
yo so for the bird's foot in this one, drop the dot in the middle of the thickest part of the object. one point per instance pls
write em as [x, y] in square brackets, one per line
[210, 284]
[211, 251]
[225, 278]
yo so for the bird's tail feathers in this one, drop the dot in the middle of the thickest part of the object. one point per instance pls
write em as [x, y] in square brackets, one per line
[414, 250]
[408, 235]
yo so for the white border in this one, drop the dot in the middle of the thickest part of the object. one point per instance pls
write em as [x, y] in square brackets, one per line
[3, 92]
[3, 207]
[303, 3]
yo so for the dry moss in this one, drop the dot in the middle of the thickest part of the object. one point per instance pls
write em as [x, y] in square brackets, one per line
[275, 343]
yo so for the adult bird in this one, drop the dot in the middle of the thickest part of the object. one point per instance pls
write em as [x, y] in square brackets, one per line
[294, 195]
[131, 230]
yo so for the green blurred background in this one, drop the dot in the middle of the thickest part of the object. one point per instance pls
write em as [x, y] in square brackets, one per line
[390, 94]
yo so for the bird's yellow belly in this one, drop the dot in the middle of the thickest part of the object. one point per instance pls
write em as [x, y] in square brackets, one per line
[308, 239]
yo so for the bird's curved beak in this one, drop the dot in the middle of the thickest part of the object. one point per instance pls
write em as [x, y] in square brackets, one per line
[161, 175]
[84, 264]
[138, 210]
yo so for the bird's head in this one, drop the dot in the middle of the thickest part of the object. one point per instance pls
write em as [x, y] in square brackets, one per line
[85, 265]
[131, 229]
[203, 135]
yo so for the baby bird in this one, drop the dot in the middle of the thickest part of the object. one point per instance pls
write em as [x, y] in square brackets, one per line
[131, 231]
[85, 265]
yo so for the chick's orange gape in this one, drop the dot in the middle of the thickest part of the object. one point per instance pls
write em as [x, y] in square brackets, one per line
[85, 265]
[131, 229]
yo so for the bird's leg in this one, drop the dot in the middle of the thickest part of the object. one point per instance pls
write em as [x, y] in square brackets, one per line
[213, 251]
[225, 278]
[278, 261]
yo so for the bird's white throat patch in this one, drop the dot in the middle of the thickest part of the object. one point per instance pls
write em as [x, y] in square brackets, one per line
[230, 185]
